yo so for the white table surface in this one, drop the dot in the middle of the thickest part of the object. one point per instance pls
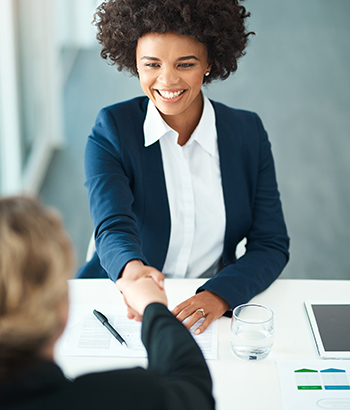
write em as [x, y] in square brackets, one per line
[238, 384]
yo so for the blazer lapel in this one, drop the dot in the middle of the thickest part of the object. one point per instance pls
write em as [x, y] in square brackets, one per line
[155, 229]
[232, 166]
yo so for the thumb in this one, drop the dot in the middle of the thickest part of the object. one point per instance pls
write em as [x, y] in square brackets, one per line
[158, 278]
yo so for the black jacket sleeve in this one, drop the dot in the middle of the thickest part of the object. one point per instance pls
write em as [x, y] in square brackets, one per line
[177, 377]
[173, 354]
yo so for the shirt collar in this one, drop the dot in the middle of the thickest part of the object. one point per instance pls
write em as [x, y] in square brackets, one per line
[205, 134]
[154, 127]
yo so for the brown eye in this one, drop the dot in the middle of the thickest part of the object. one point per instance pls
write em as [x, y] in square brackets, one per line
[185, 65]
[152, 65]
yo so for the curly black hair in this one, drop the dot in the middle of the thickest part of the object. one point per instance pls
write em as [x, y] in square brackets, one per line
[219, 24]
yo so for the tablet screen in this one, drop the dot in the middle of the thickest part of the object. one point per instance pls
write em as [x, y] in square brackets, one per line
[333, 322]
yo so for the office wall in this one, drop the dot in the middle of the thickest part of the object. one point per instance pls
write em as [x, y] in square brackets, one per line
[73, 22]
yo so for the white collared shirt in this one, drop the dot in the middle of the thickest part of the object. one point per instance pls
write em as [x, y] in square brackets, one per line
[196, 203]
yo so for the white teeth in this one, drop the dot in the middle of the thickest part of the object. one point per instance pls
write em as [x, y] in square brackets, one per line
[170, 95]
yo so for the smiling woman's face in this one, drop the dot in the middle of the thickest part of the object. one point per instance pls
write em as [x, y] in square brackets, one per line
[171, 69]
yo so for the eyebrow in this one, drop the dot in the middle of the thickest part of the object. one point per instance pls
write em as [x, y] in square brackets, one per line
[150, 58]
[179, 59]
[187, 58]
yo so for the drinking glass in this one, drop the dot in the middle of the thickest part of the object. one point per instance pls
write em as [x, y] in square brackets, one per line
[252, 331]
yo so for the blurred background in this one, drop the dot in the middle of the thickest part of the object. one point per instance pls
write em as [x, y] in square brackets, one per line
[295, 75]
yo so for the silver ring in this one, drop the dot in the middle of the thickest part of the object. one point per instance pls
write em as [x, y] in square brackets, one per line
[201, 310]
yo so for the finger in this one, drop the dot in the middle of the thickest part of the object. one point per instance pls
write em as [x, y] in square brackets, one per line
[134, 315]
[130, 315]
[183, 305]
[158, 278]
[193, 319]
[130, 312]
[200, 329]
[188, 311]
[177, 309]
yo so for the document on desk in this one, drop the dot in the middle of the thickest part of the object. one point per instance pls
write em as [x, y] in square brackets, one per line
[314, 384]
[86, 336]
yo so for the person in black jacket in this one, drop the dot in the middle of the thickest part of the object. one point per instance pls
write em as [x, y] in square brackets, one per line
[35, 263]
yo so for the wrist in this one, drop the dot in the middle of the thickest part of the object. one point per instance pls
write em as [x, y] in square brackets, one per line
[131, 269]
[220, 300]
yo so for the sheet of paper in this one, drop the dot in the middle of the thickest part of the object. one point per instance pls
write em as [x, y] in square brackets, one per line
[208, 340]
[314, 385]
[86, 336]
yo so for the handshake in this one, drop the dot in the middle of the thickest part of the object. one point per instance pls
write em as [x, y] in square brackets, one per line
[139, 293]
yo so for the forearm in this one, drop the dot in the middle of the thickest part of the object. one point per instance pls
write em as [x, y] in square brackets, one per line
[111, 200]
[239, 282]
[267, 239]
[173, 352]
[116, 248]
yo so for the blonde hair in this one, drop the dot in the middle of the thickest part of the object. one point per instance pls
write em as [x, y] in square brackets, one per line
[36, 259]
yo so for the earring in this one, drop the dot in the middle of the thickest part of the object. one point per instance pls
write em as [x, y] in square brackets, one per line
[207, 73]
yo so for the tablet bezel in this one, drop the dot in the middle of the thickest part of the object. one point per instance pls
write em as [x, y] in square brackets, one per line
[315, 330]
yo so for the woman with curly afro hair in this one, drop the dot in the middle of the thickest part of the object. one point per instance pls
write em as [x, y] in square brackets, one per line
[175, 180]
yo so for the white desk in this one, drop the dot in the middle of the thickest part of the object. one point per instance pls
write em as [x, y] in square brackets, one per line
[238, 384]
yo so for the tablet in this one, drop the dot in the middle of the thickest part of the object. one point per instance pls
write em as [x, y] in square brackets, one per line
[330, 324]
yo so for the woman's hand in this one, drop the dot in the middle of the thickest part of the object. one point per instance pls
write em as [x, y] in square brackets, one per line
[140, 293]
[135, 270]
[213, 305]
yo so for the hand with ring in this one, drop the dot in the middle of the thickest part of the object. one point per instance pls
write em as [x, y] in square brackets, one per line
[205, 305]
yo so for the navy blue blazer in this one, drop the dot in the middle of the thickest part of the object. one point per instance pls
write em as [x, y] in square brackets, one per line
[130, 211]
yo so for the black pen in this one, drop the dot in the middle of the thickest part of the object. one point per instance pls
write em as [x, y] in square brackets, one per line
[102, 318]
